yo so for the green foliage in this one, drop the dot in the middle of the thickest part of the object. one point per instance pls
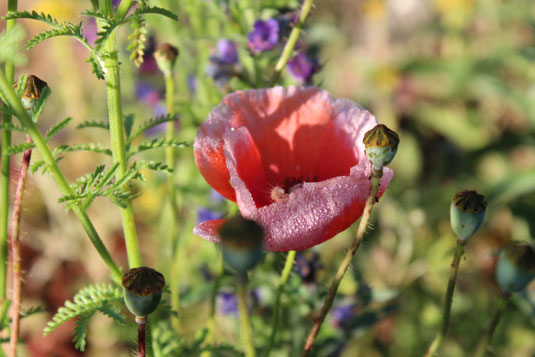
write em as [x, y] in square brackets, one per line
[154, 10]
[151, 123]
[64, 29]
[85, 304]
[156, 144]
[9, 126]
[97, 148]
[94, 124]
[34, 15]
[101, 183]
[17, 149]
[40, 103]
[21, 84]
[10, 45]
[137, 40]
[95, 65]
[56, 128]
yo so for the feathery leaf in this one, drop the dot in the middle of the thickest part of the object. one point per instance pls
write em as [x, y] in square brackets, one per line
[56, 128]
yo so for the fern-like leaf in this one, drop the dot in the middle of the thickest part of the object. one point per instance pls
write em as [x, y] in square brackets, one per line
[16, 149]
[9, 126]
[156, 144]
[88, 300]
[113, 312]
[151, 123]
[93, 147]
[152, 165]
[21, 84]
[94, 124]
[40, 104]
[56, 128]
[95, 65]
[137, 39]
[154, 10]
[80, 331]
[46, 18]
[106, 32]
[64, 29]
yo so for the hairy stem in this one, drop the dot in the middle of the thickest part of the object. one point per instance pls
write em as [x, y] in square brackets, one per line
[344, 265]
[245, 323]
[15, 253]
[141, 322]
[292, 40]
[5, 170]
[14, 102]
[115, 114]
[435, 345]
[276, 307]
[486, 340]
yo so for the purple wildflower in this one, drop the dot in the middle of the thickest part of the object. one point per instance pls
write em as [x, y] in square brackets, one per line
[302, 68]
[227, 52]
[307, 268]
[227, 303]
[264, 36]
[205, 214]
[342, 315]
[216, 197]
[150, 96]
[90, 30]
[222, 64]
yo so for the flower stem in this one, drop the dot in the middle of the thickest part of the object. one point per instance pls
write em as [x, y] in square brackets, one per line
[141, 322]
[213, 299]
[280, 289]
[501, 306]
[245, 322]
[435, 345]
[344, 265]
[15, 253]
[40, 143]
[5, 169]
[292, 40]
[113, 92]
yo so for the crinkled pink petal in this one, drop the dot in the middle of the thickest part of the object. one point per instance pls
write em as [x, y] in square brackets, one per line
[209, 229]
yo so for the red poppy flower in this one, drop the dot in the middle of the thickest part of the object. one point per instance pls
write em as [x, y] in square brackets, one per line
[293, 160]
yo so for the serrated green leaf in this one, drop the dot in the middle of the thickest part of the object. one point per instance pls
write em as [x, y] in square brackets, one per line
[94, 124]
[11, 45]
[153, 165]
[151, 123]
[155, 10]
[95, 65]
[80, 331]
[106, 32]
[46, 18]
[93, 147]
[16, 149]
[40, 104]
[128, 123]
[155, 144]
[36, 166]
[56, 128]
[113, 312]
[21, 84]
[9, 126]
[64, 29]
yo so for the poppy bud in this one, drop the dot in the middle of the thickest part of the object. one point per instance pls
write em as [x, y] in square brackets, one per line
[142, 290]
[241, 242]
[516, 267]
[165, 58]
[32, 92]
[466, 213]
[381, 146]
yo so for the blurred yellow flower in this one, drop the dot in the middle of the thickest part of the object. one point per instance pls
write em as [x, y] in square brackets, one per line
[386, 78]
[374, 9]
[59, 9]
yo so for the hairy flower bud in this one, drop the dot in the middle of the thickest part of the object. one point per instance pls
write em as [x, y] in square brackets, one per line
[467, 213]
[381, 146]
[142, 290]
[241, 242]
[516, 267]
[165, 58]
[32, 92]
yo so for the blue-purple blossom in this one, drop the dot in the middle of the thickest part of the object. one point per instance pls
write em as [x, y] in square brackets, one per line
[205, 214]
[307, 268]
[342, 315]
[150, 96]
[222, 64]
[264, 36]
[227, 51]
[227, 303]
[302, 68]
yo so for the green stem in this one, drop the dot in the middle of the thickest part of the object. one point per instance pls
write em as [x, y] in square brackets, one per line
[213, 300]
[344, 265]
[113, 92]
[245, 323]
[123, 8]
[292, 40]
[14, 102]
[484, 344]
[5, 170]
[280, 289]
[435, 345]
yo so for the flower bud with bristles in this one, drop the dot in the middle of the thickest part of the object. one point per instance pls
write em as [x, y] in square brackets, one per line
[467, 213]
[142, 290]
[381, 146]
[516, 267]
[32, 92]
[165, 57]
[241, 242]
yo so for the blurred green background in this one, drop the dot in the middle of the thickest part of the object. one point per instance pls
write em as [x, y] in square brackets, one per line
[455, 79]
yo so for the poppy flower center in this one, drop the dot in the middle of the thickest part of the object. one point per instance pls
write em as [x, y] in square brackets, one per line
[289, 184]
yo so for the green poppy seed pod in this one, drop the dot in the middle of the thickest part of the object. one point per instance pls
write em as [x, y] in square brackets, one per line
[467, 213]
[241, 243]
[381, 146]
[32, 92]
[142, 290]
[516, 267]
[165, 58]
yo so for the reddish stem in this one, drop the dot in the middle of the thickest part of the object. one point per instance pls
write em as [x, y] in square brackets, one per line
[141, 323]
[15, 252]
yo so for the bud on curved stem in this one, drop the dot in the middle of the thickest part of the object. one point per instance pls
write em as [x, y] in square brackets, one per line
[165, 57]
[467, 213]
[381, 146]
[142, 290]
[32, 92]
